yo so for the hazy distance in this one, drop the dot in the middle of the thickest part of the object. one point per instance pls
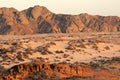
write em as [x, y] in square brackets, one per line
[95, 7]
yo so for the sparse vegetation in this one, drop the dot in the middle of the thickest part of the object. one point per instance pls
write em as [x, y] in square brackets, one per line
[67, 59]
[107, 48]
[58, 57]
[95, 47]
[3, 51]
[66, 55]
[2, 68]
[71, 57]
[69, 51]
[64, 62]
[81, 45]
[52, 43]
[94, 65]
[70, 47]
[59, 51]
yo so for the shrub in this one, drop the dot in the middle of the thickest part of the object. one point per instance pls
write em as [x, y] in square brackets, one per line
[95, 47]
[59, 51]
[107, 48]
[70, 47]
[65, 55]
[2, 68]
[82, 45]
[94, 65]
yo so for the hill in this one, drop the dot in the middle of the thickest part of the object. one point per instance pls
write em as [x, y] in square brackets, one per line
[39, 19]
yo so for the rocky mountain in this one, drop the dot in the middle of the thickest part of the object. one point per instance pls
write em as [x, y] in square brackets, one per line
[39, 19]
[44, 71]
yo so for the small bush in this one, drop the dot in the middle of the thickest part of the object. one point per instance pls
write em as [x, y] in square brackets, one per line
[94, 65]
[82, 45]
[107, 48]
[2, 68]
[59, 51]
[65, 55]
[95, 47]
[70, 47]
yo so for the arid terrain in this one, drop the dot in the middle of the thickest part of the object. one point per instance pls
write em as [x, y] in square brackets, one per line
[39, 19]
[37, 44]
[70, 56]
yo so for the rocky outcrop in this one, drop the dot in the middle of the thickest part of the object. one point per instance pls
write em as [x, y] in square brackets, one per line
[39, 70]
[39, 19]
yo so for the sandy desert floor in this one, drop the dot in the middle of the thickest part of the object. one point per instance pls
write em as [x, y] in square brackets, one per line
[95, 49]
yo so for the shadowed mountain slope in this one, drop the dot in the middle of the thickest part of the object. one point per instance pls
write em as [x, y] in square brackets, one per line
[39, 19]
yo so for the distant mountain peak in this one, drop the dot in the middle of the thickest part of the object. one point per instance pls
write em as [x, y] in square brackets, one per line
[39, 19]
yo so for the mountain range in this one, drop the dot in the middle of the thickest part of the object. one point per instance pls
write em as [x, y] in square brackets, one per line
[38, 19]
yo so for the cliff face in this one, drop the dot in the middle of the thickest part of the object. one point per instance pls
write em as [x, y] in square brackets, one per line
[39, 19]
[39, 70]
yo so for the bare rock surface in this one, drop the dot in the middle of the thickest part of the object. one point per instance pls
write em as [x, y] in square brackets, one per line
[39, 19]
[42, 71]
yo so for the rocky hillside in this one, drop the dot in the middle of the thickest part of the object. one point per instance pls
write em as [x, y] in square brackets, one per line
[44, 71]
[39, 19]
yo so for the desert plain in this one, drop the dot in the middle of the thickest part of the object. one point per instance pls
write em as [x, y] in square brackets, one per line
[98, 51]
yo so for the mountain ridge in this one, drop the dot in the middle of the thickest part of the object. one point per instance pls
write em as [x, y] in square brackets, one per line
[39, 19]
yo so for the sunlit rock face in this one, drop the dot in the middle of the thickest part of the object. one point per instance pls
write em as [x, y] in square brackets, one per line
[39, 19]
[39, 70]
